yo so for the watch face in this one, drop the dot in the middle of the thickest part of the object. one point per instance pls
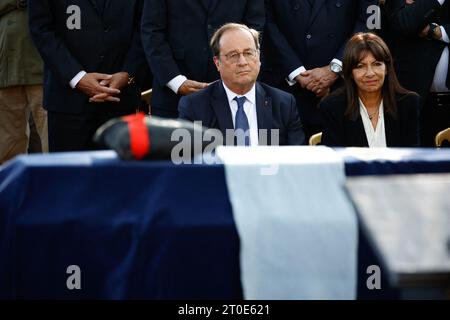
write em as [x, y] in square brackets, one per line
[336, 68]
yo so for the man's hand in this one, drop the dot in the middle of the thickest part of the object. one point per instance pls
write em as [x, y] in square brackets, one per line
[323, 93]
[302, 80]
[90, 84]
[117, 81]
[191, 86]
[319, 80]
[424, 32]
[436, 35]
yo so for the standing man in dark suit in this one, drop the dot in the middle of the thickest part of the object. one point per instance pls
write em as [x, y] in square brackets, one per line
[422, 30]
[238, 101]
[175, 36]
[92, 55]
[305, 41]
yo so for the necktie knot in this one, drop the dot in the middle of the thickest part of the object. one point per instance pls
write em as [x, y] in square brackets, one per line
[240, 102]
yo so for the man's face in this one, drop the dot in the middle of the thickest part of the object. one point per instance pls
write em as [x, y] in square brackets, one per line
[238, 62]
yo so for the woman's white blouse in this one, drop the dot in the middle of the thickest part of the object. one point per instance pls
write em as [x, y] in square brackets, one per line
[375, 137]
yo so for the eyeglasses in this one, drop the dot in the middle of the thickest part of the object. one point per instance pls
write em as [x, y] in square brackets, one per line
[234, 56]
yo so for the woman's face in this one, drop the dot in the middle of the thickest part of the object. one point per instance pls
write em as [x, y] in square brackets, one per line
[369, 75]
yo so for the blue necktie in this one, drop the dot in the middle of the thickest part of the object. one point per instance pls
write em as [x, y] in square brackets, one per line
[241, 122]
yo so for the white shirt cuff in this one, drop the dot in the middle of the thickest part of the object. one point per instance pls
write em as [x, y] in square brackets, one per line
[441, 2]
[291, 77]
[176, 83]
[73, 83]
[444, 35]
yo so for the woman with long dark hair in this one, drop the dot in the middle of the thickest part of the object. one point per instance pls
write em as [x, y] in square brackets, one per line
[372, 109]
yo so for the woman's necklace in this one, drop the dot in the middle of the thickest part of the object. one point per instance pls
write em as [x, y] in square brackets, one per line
[373, 114]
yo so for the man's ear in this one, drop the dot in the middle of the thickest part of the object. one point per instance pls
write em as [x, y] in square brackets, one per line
[217, 62]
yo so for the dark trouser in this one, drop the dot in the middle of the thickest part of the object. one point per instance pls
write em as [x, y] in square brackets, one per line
[435, 117]
[75, 132]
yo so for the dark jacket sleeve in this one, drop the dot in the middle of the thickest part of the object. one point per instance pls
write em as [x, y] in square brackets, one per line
[410, 105]
[52, 49]
[295, 134]
[184, 109]
[410, 19]
[154, 31]
[360, 23]
[135, 63]
[255, 15]
[286, 55]
[332, 122]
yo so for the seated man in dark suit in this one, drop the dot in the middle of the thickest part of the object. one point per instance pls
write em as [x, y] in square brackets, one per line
[238, 101]
[175, 36]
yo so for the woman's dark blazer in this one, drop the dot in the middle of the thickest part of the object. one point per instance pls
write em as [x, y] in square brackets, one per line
[339, 131]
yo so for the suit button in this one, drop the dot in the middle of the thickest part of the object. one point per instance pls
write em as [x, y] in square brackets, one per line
[296, 6]
[338, 4]
[308, 36]
[331, 35]
[209, 26]
[102, 57]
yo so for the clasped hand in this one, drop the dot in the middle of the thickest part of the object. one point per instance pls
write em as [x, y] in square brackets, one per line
[318, 80]
[100, 87]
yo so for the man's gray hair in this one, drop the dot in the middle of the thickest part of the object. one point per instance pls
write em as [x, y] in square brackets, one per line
[215, 40]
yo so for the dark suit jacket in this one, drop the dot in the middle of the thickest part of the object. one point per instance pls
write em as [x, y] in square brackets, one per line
[416, 58]
[298, 34]
[176, 36]
[275, 109]
[108, 42]
[338, 131]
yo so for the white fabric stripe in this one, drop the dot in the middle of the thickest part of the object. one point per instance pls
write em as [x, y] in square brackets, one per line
[297, 228]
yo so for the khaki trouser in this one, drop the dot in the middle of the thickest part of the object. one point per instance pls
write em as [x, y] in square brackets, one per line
[16, 105]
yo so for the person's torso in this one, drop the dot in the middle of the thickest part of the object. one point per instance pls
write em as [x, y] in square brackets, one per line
[20, 63]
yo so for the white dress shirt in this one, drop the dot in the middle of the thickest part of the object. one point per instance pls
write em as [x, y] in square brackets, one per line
[375, 137]
[249, 109]
[440, 75]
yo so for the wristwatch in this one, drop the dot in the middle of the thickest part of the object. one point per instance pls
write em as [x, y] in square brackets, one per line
[336, 68]
[432, 30]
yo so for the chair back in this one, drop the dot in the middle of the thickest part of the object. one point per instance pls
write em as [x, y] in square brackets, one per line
[442, 136]
[315, 139]
[146, 96]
